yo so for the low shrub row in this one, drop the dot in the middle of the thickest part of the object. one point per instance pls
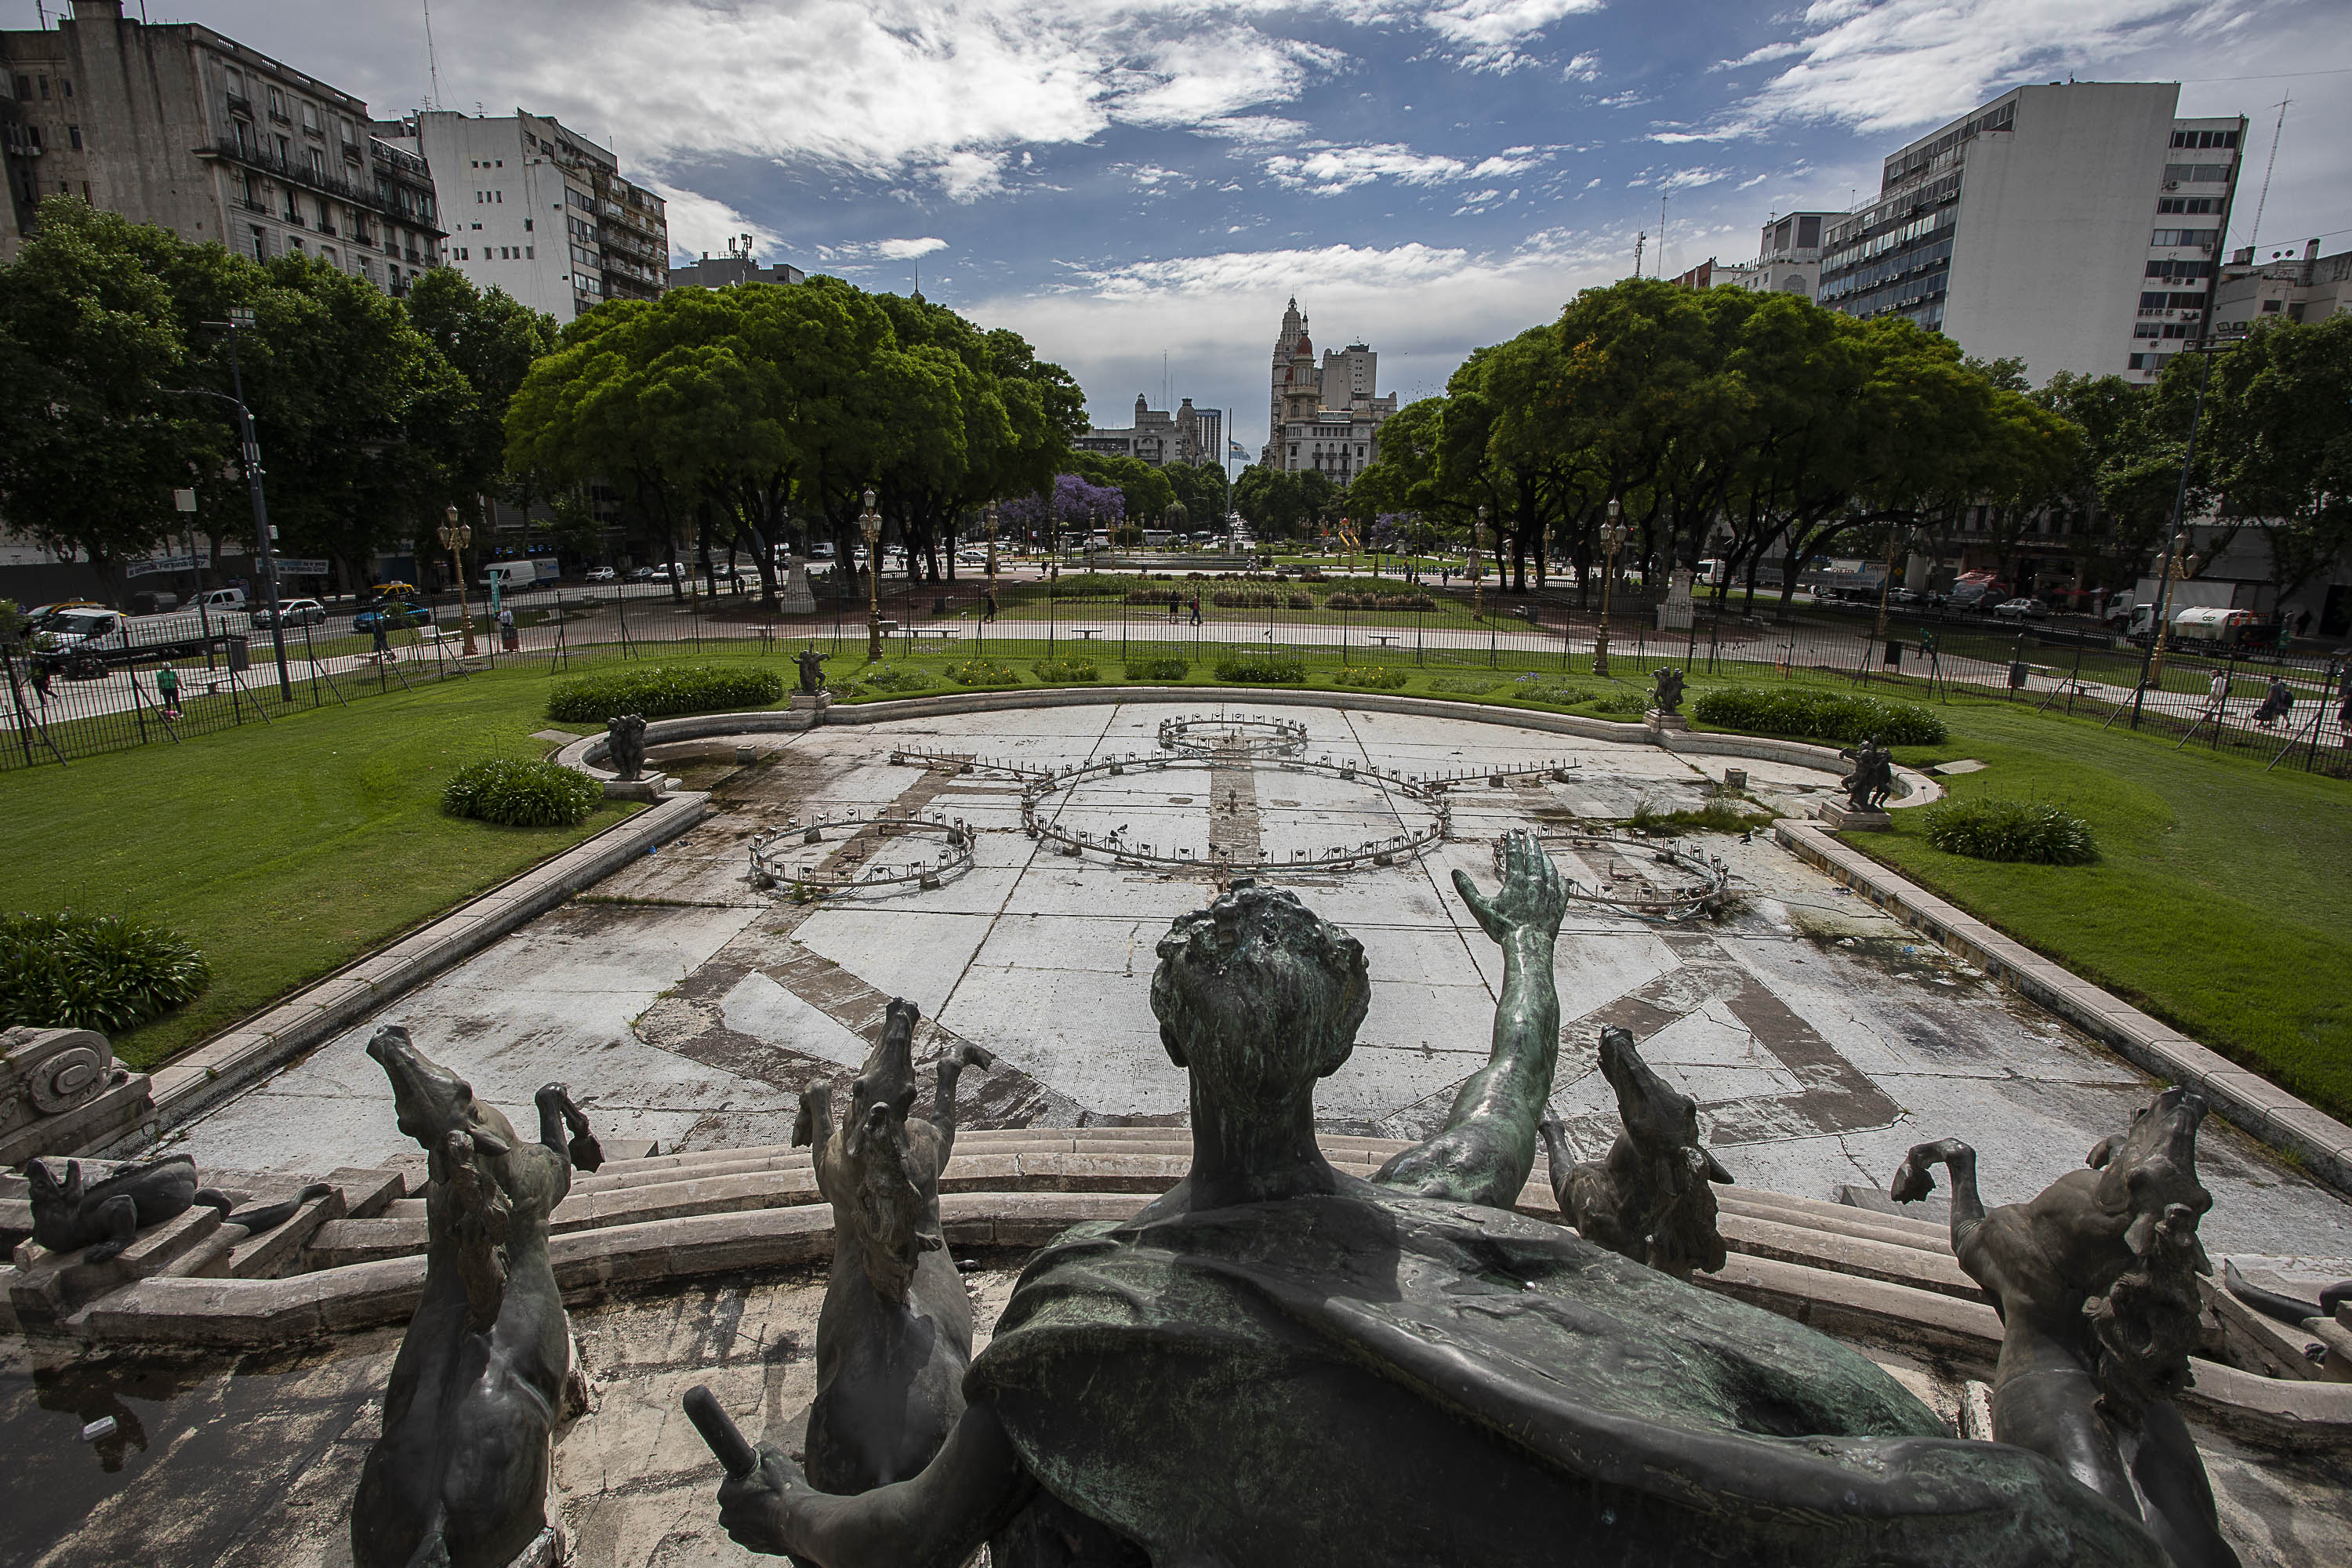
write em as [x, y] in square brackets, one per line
[1360, 601]
[1990, 829]
[896, 678]
[73, 971]
[1262, 668]
[1056, 671]
[982, 672]
[1379, 677]
[1158, 669]
[661, 691]
[515, 793]
[1819, 716]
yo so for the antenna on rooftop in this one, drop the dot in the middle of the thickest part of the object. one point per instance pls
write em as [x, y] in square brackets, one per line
[432, 60]
[1638, 238]
[2253, 235]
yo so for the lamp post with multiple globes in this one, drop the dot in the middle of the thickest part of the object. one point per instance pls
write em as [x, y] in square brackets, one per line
[870, 525]
[1612, 540]
[455, 537]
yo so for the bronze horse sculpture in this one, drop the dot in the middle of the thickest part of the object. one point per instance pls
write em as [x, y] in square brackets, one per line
[2096, 1283]
[894, 1337]
[1650, 1199]
[459, 1475]
[106, 1215]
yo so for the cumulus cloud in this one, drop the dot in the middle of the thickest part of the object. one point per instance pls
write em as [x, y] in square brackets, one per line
[907, 249]
[702, 225]
[1583, 67]
[1487, 34]
[1327, 170]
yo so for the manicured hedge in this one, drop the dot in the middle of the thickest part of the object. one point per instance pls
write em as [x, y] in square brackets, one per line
[896, 678]
[1054, 671]
[1376, 676]
[1986, 827]
[661, 691]
[1158, 669]
[1818, 716]
[1262, 668]
[983, 672]
[72, 971]
[520, 794]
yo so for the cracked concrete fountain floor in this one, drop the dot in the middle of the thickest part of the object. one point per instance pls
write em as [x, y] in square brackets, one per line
[686, 1007]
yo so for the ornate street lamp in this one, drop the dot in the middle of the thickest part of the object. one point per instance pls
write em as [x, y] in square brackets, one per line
[1612, 540]
[869, 524]
[455, 537]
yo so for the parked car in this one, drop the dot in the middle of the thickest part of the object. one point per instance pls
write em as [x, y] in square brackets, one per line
[293, 613]
[644, 573]
[2020, 609]
[40, 616]
[392, 614]
[599, 574]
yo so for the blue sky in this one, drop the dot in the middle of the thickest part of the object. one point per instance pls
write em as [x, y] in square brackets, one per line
[1120, 181]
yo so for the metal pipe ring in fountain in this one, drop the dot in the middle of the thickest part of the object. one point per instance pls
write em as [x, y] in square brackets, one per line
[1122, 850]
[1704, 888]
[790, 857]
[1197, 735]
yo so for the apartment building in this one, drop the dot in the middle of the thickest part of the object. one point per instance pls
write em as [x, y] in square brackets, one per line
[2076, 226]
[738, 265]
[538, 210]
[1160, 436]
[175, 125]
[2309, 288]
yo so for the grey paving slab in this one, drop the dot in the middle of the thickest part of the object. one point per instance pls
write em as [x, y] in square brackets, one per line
[1821, 1037]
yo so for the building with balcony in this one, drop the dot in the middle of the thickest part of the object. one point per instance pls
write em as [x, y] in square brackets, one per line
[738, 265]
[175, 125]
[2075, 226]
[1323, 417]
[1188, 435]
[538, 210]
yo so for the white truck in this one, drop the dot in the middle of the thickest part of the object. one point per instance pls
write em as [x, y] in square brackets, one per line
[514, 576]
[81, 643]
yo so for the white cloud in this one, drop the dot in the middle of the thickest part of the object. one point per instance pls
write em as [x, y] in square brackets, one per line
[1690, 179]
[700, 224]
[1329, 171]
[906, 249]
[1486, 34]
[1583, 67]
[1885, 65]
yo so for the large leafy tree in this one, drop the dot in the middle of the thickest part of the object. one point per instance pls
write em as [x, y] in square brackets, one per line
[2275, 445]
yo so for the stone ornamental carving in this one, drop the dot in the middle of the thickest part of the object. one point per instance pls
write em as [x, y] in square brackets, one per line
[61, 1090]
[624, 739]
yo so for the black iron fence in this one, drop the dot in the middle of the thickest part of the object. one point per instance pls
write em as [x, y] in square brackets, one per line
[1373, 634]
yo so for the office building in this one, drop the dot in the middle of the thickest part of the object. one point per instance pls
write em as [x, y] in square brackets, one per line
[538, 210]
[2076, 226]
[1713, 273]
[1188, 435]
[738, 265]
[2309, 288]
[1326, 416]
[175, 125]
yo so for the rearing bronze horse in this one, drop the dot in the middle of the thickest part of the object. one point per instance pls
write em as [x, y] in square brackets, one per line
[459, 1476]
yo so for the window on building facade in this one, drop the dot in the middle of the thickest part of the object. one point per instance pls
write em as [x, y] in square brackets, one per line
[44, 87]
[2188, 204]
[260, 244]
[525, 225]
[2270, 304]
[66, 84]
[2164, 236]
[2204, 139]
[73, 135]
[276, 104]
[530, 253]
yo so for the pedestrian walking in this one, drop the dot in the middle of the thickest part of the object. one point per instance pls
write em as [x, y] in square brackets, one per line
[991, 613]
[2276, 702]
[167, 692]
[381, 639]
[1175, 606]
[41, 686]
[1196, 606]
[2217, 696]
[508, 639]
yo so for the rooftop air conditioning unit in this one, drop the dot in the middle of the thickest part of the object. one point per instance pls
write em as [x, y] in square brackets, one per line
[2172, 184]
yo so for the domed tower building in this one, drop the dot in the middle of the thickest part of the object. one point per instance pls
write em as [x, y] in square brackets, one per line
[1326, 415]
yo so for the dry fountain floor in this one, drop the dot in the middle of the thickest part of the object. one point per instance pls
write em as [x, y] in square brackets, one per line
[685, 1006]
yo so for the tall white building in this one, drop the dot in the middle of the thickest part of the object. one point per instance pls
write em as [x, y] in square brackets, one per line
[1326, 416]
[2076, 226]
[539, 210]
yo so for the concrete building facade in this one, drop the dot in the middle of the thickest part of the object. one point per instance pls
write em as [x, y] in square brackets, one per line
[2309, 288]
[538, 210]
[738, 265]
[1323, 415]
[175, 125]
[2076, 226]
[1158, 436]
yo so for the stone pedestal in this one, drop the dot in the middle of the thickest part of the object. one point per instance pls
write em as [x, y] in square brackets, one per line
[1674, 614]
[61, 1092]
[1666, 723]
[796, 597]
[1841, 816]
[648, 789]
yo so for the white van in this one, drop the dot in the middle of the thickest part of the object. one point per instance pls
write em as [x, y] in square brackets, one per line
[218, 599]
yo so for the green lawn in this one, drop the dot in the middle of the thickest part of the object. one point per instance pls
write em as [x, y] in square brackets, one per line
[283, 852]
